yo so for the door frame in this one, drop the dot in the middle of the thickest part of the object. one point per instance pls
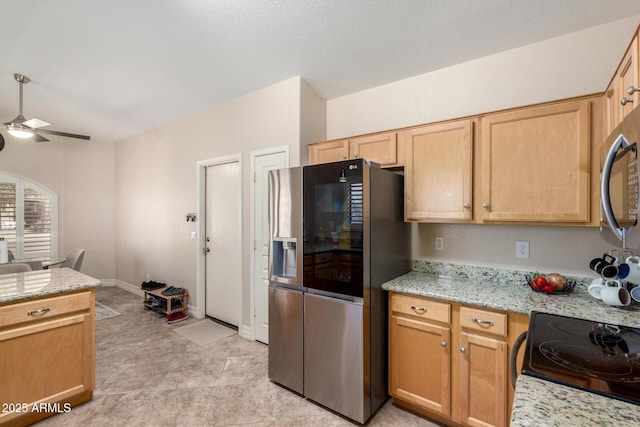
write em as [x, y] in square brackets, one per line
[202, 166]
[251, 333]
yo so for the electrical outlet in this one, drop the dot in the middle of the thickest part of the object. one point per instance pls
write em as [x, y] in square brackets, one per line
[522, 249]
[439, 243]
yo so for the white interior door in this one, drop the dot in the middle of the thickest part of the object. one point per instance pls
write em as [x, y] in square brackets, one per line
[223, 266]
[262, 164]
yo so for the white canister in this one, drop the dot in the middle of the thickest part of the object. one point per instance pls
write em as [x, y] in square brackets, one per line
[4, 251]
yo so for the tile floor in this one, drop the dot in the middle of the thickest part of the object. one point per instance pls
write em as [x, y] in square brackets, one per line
[148, 375]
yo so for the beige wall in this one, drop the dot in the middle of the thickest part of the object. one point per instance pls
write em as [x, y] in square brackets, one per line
[576, 64]
[156, 180]
[313, 120]
[81, 173]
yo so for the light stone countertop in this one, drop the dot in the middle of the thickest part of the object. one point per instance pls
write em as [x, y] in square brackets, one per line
[537, 402]
[16, 287]
[540, 403]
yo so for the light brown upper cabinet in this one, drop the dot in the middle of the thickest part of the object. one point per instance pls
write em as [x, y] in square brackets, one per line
[438, 172]
[535, 164]
[621, 96]
[381, 148]
[329, 151]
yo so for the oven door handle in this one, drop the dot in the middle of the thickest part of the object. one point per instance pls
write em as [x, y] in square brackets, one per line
[605, 198]
[513, 368]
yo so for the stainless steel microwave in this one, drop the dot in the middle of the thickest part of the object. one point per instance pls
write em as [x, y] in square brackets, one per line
[619, 185]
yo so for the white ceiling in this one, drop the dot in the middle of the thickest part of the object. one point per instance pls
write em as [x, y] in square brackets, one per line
[117, 68]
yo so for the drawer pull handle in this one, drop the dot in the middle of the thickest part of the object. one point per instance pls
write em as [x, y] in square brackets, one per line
[482, 322]
[419, 309]
[38, 312]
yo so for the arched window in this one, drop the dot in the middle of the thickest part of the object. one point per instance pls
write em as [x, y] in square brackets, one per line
[28, 217]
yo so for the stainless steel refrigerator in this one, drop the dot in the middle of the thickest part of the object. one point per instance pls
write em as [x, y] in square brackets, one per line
[333, 311]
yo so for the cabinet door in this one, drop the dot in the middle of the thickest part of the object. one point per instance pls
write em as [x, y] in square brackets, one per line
[438, 172]
[483, 380]
[612, 107]
[628, 78]
[47, 361]
[420, 363]
[535, 164]
[380, 148]
[327, 152]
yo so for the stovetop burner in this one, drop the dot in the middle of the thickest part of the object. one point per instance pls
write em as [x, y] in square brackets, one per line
[598, 357]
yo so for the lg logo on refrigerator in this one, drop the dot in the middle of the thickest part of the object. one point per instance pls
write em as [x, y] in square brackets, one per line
[352, 167]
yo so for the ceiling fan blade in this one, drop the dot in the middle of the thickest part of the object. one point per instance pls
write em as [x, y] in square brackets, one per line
[68, 135]
[35, 123]
[39, 138]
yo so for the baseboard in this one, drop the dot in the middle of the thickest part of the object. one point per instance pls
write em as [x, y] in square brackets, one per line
[245, 332]
[129, 287]
[107, 282]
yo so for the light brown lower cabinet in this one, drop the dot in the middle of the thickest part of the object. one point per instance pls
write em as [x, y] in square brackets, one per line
[449, 361]
[47, 356]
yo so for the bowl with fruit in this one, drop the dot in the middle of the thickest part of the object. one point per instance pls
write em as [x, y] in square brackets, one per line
[552, 283]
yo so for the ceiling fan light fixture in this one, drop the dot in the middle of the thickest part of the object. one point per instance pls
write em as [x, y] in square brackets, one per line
[20, 131]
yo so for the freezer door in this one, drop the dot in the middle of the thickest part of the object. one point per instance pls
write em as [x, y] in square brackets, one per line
[285, 337]
[334, 359]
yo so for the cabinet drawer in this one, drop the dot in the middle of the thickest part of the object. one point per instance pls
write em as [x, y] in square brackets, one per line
[424, 308]
[44, 308]
[482, 320]
[323, 258]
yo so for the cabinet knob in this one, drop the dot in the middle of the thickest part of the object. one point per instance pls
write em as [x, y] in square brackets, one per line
[633, 90]
[625, 101]
[418, 309]
[485, 205]
[463, 350]
[355, 155]
[344, 156]
[466, 206]
[443, 343]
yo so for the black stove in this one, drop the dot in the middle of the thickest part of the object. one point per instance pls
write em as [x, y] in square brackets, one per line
[597, 357]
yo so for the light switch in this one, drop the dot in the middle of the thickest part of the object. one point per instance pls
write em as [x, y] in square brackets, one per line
[194, 235]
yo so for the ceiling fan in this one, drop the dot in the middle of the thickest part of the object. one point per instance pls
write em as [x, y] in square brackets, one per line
[22, 128]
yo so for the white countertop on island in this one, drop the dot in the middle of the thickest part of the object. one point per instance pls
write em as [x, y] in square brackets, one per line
[15, 287]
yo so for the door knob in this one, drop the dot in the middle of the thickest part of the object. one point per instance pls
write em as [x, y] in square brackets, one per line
[206, 250]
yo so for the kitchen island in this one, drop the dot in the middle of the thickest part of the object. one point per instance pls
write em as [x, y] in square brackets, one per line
[47, 343]
[536, 402]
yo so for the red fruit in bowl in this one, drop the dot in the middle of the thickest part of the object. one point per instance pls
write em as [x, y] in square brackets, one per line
[541, 283]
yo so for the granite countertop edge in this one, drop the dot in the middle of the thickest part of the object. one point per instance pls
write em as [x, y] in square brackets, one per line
[15, 287]
[536, 402]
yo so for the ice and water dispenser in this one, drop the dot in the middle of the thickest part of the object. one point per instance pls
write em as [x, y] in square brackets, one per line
[284, 261]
